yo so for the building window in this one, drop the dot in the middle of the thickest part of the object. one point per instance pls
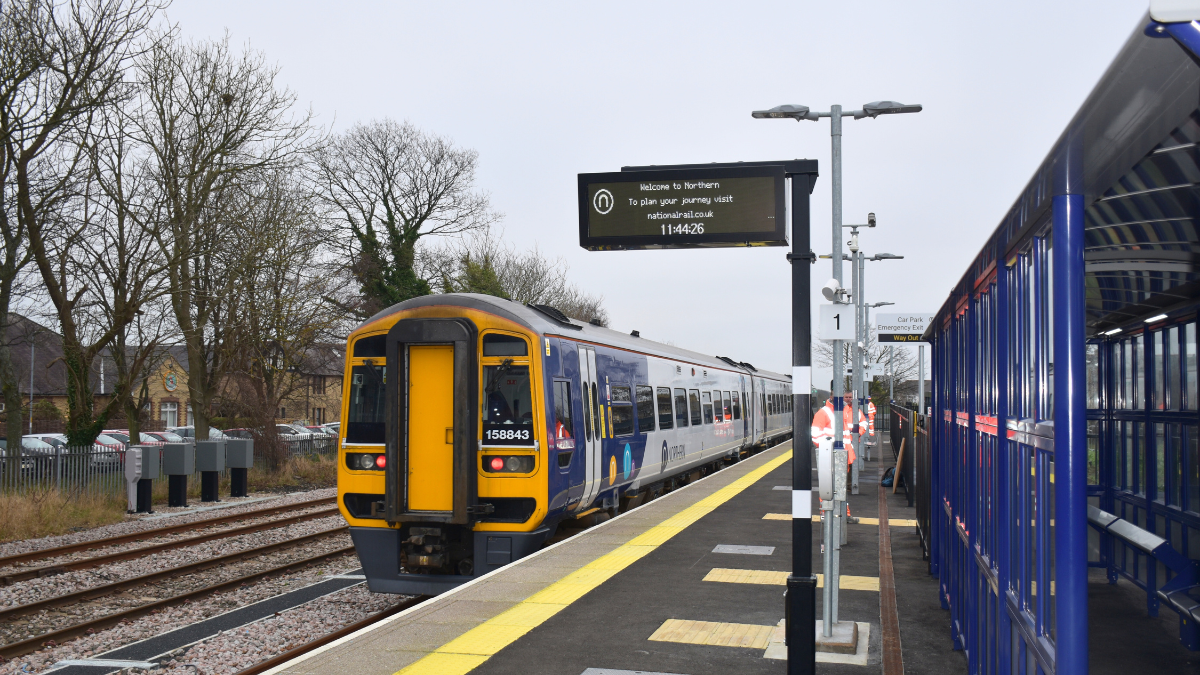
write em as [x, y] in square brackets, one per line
[169, 413]
[318, 416]
[282, 413]
[318, 384]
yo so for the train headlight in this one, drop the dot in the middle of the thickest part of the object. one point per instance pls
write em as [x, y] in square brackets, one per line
[509, 464]
[365, 461]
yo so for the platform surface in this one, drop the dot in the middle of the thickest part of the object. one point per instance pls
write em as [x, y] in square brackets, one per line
[644, 592]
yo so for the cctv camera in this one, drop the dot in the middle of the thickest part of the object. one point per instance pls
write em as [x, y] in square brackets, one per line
[870, 220]
[831, 289]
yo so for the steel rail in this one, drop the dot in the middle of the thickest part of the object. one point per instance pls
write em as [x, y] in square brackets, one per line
[307, 647]
[148, 534]
[109, 589]
[85, 563]
[52, 638]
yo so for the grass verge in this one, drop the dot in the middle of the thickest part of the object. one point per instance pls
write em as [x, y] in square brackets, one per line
[49, 512]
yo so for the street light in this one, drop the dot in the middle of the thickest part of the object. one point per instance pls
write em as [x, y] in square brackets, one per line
[801, 583]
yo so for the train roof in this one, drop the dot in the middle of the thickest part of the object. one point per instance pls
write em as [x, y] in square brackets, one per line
[549, 321]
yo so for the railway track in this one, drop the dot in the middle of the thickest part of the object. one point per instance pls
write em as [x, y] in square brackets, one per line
[95, 561]
[58, 551]
[53, 637]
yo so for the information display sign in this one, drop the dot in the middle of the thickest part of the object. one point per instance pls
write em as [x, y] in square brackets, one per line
[682, 208]
[901, 327]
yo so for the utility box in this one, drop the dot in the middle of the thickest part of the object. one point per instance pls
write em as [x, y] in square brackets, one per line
[239, 453]
[149, 461]
[179, 459]
[210, 455]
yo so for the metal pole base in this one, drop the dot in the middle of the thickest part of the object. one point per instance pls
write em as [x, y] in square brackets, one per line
[239, 482]
[843, 641]
[177, 490]
[145, 489]
[209, 483]
[800, 612]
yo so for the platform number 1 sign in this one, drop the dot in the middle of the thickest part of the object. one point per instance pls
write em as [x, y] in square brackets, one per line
[837, 322]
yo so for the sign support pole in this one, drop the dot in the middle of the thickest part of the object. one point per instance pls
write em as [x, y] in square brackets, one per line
[801, 584]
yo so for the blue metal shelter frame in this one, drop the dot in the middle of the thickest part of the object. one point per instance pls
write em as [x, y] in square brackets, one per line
[1051, 392]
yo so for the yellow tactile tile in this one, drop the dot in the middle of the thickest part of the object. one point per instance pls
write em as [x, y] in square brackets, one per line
[772, 578]
[778, 516]
[894, 522]
[745, 635]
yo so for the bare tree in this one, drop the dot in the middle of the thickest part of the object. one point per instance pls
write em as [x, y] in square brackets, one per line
[389, 184]
[81, 50]
[211, 118]
[527, 277]
[284, 321]
[895, 359]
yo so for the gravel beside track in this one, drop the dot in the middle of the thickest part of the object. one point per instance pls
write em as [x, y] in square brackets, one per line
[141, 523]
[232, 651]
[175, 617]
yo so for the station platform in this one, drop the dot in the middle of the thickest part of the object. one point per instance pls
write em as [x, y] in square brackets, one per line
[691, 583]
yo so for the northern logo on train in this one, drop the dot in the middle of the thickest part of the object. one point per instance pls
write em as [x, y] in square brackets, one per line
[612, 469]
[628, 463]
[664, 457]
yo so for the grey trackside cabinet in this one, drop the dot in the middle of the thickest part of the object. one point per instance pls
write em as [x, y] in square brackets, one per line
[239, 457]
[179, 462]
[210, 460]
[141, 466]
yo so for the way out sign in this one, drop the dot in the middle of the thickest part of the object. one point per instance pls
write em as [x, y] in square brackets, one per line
[837, 322]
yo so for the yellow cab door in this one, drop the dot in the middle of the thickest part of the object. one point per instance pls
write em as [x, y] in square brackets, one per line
[430, 431]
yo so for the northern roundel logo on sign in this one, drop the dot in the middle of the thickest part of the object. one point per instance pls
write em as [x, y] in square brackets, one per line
[603, 201]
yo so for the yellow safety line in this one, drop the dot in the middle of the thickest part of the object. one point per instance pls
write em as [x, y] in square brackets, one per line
[466, 652]
[772, 578]
[894, 522]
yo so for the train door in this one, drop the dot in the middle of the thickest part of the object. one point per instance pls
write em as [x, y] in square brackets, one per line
[430, 427]
[746, 431]
[591, 411]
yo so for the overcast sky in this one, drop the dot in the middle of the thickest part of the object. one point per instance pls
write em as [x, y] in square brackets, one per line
[546, 91]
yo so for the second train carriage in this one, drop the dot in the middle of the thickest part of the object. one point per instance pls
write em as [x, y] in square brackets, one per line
[474, 425]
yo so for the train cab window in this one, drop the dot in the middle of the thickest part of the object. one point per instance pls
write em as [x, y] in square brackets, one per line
[681, 407]
[507, 405]
[666, 418]
[737, 407]
[497, 344]
[645, 408]
[371, 347]
[365, 418]
[564, 432]
[621, 411]
[694, 407]
[706, 401]
[717, 410]
[587, 414]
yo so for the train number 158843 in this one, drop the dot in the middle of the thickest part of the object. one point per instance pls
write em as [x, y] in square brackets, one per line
[506, 435]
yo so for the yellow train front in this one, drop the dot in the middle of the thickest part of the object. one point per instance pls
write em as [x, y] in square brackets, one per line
[473, 425]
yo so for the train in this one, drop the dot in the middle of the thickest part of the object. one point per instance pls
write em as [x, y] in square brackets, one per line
[474, 427]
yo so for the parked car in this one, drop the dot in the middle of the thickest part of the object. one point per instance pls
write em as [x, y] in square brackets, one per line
[34, 453]
[123, 436]
[239, 433]
[214, 434]
[333, 428]
[106, 451]
[165, 436]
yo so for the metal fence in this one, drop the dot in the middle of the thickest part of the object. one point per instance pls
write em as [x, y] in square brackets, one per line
[97, 470]
[911, 448]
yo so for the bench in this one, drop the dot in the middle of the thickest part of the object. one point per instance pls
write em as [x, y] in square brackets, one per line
[1180, 594]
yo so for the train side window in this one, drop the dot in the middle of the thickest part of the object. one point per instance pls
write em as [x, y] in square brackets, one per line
[587, 412]
[371, 347]
[694, 407]
[645, 408]
[718, 415]
[706, 401]
[737, 407]
[497, 344]
[725, 401]
[666, 418]
[681, 407]
[564, 432]
[621, 411]
[770, 404]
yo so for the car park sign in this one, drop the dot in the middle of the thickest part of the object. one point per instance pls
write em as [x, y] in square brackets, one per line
[901, 327]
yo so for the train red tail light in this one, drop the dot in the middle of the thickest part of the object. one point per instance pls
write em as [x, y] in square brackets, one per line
[381, 461]
[508, 464]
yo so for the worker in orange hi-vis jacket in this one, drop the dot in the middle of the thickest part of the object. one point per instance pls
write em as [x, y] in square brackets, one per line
[822, 424]
[871, 416]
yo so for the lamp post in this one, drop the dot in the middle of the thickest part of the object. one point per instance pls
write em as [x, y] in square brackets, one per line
[861, 338]
[801, 583]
